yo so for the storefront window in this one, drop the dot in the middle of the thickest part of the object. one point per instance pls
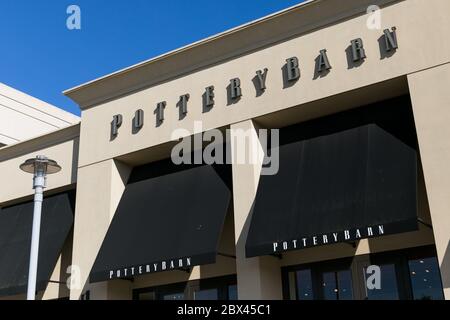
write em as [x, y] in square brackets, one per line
[232, 292]
[337, 285]
[388, 289]
[304, 285]
[425, 279]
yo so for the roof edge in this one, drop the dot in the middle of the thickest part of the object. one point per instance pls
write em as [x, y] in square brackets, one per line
[191, 45]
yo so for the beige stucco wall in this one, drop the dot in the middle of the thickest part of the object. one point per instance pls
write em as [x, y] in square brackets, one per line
[420, 42]
[99, 189]
[59, 288]
[260, 277]
[430, 97]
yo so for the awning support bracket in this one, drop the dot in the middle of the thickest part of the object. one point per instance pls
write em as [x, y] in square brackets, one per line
[226, 255]
[187, 270]
[353, 244]
[57, 282]
[426, 224]
[279, 256]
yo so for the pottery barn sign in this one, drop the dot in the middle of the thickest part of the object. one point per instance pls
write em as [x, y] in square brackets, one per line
[356, 54]
[330, 238]
[167, 265]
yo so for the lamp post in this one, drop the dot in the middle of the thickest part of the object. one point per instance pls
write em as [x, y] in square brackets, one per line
[39, 167]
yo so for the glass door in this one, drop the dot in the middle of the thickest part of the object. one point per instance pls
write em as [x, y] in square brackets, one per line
[396, 275]
[337, 285]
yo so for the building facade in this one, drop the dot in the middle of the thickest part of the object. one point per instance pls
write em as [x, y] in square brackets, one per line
[353, 183]
[23, 117]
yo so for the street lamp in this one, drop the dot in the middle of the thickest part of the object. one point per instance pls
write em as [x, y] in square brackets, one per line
[39, 167]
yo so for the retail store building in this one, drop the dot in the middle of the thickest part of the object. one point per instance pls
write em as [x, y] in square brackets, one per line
[362, 179]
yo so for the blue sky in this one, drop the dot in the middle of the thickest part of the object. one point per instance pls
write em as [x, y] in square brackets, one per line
[41, 57]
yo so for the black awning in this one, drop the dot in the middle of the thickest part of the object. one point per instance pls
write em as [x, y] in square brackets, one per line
[15, 241]
[169, 218]
[354, 184]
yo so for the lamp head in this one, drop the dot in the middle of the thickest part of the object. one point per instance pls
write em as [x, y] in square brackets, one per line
[40, 163]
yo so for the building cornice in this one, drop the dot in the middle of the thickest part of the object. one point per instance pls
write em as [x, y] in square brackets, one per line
[281, 26]
[40, 142]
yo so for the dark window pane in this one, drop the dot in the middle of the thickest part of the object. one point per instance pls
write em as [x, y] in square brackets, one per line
[426, 279]
[337, 285]
[174, 296]
[232, 292]
[304, 285]
[209, 294]
[388, 284]
[329, 286]
[147, 296]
